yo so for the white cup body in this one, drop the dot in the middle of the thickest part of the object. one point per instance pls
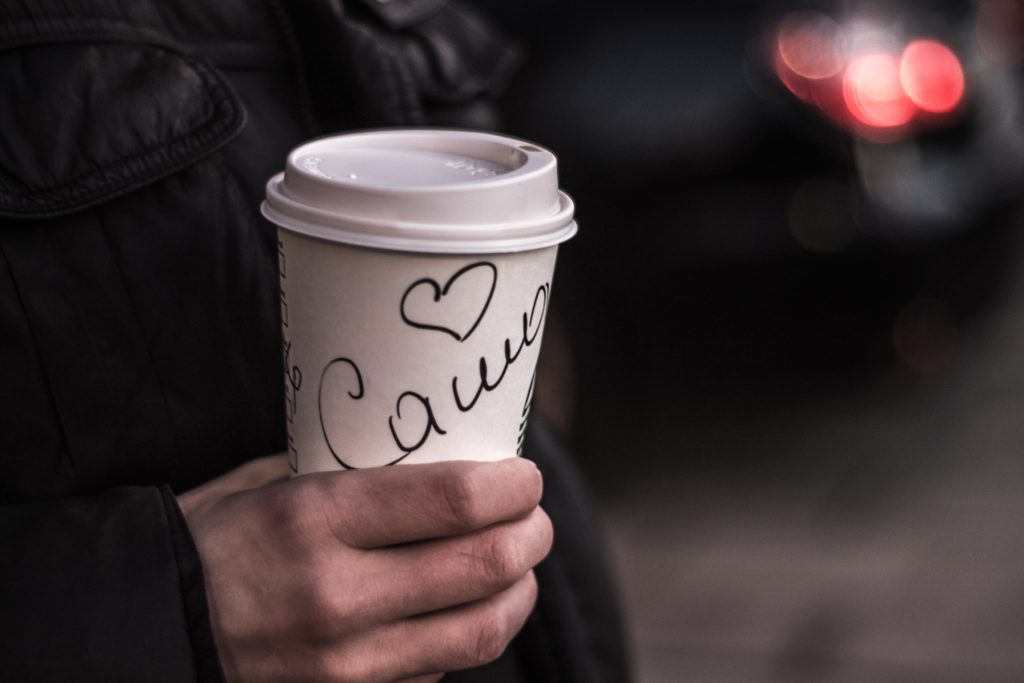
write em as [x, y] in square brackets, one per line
[415, 270]
[398, 357]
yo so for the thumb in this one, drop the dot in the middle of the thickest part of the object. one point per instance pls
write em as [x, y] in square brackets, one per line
[251, 475]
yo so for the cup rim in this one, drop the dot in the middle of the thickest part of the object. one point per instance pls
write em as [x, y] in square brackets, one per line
[498, 223]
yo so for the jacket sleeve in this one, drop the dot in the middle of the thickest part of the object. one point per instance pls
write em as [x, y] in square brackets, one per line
[106, 588]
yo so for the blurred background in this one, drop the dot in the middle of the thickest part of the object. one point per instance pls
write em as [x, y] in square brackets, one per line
[788, 342]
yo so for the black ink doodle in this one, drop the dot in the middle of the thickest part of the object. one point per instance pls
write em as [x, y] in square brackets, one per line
[293, 382]
[431, 424]
[292, 373]
[532, 324]
[359, 393]
[438, 316]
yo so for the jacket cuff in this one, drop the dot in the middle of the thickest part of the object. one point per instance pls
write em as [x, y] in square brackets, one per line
[105, 588]
[193, 593]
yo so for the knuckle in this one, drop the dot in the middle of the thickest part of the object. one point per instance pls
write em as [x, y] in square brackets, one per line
[292, 513]
[461, 496]
[490, 637]
[500, 557]
[329, 605]
[314, 512]
[327, 609]
[315, 612]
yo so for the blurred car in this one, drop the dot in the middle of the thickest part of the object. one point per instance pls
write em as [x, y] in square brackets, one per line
[777, 193]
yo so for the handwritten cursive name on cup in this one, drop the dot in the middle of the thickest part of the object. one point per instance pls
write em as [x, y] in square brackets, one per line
[413, 420]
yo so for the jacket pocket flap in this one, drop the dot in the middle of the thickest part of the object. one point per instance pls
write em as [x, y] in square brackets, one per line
[82, 122]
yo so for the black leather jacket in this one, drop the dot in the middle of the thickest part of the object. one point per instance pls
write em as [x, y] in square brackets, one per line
[140, 351]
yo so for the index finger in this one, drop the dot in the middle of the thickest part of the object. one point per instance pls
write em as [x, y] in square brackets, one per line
[386, 506]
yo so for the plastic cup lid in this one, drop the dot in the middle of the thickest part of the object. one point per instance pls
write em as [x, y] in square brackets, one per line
[439, 191]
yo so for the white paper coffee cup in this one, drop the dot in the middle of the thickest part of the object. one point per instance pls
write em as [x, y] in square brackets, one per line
[416, 270]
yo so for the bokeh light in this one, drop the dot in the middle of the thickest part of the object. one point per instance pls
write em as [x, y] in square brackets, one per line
[931, 76]
[864, 77]
[809, 60]
[807, 45]
[873, 93]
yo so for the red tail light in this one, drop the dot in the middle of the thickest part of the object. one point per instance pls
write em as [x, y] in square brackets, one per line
[878, 93]
[873, 93]
[931, 76]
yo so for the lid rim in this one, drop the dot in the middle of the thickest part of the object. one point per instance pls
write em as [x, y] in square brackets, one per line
[437, 212]
[285, 205]
[411, 244]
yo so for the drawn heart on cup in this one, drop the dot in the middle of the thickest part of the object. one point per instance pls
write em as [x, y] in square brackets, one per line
[456, 307]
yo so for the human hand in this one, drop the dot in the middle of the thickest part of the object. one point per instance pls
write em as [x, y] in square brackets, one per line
[368, 575]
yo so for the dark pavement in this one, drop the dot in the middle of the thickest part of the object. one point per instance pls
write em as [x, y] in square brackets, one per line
[872, 531]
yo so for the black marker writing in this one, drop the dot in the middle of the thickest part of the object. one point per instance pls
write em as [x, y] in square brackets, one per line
[430, 422]
[450, 320]
[531, 328]
[292, 373]
[293, 382]
[358, 394]
[414, 420]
